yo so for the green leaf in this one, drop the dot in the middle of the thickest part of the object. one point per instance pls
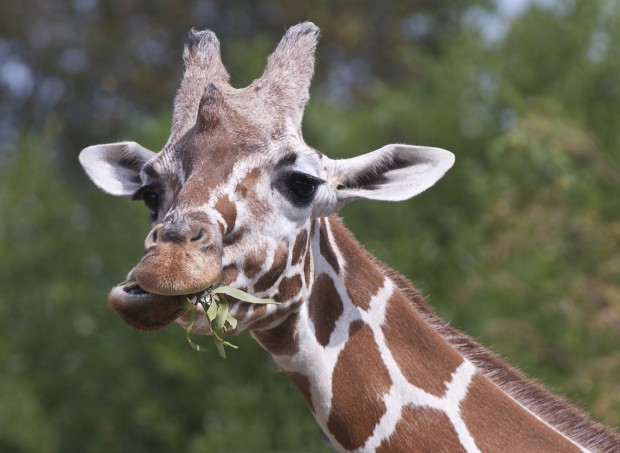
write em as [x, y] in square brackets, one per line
[238, 294]
[231, 320]
[220, 318]
[190, 326]
[211, 311]
[220, 343]
[220, 349]
[188, 304]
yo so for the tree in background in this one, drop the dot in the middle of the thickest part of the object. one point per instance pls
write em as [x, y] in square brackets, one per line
[518, 245]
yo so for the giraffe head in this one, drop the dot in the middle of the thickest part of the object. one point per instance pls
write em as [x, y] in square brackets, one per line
[235, 190]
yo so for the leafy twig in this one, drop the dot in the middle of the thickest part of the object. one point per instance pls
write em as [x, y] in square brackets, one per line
[215, 308]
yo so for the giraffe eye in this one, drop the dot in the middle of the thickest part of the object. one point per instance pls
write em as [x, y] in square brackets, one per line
[301, 186]
[298, 187]
[151, 200]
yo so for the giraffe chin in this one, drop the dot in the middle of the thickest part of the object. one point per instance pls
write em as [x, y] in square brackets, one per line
[144, 310]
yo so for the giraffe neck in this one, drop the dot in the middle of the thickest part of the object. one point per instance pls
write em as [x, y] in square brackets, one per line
[381, 373]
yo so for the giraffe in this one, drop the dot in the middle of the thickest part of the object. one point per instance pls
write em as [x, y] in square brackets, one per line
[238, 198]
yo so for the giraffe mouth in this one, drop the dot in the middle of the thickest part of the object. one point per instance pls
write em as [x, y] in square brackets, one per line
[142, 309]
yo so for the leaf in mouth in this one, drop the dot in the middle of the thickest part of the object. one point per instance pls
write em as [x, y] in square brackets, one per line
[215, 307]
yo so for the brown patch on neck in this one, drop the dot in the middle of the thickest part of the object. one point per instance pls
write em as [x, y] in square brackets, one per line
[307, 268]
[228, 212]
[428, 429]
[301, 243]
[277, 268]
[229, 274]
[289, 288]
[324, 308]
[255, 261]
[281, 340]
[360, 381]
[326, 249]
[498, 423]
[362, 276]
[424, 357]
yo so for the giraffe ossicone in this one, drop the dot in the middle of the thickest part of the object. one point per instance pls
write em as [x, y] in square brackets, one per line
[237, 198]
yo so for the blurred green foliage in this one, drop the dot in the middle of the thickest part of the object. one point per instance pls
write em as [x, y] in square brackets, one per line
[517, 245]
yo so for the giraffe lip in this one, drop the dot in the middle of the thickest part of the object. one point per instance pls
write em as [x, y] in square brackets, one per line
[134, 290]
[142, 309]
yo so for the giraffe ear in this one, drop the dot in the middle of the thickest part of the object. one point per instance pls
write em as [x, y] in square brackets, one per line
[391, 173]
[115, 167]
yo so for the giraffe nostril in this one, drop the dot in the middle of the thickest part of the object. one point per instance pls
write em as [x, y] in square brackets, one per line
[200, 234]
[154, 236]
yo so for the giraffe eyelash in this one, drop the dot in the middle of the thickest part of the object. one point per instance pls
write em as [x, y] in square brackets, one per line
[299, 188]
[139, 194]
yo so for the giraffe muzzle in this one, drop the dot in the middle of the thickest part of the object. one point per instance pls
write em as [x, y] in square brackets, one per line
[179, 260]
